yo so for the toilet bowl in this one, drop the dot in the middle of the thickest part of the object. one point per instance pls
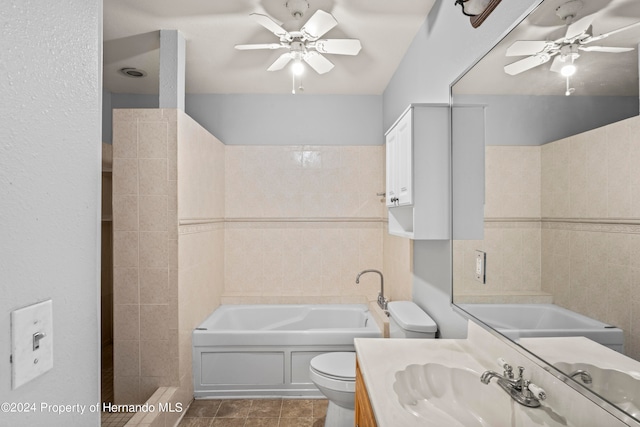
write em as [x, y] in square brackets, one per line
[335, 376]
[335, 373]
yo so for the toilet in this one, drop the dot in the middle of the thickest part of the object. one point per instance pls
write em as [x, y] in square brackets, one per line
[335, 373]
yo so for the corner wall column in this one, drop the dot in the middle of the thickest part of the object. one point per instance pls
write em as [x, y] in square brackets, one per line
[172, 69]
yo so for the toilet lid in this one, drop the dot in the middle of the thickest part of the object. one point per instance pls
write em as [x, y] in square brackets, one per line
[411, 317]
[340, 365]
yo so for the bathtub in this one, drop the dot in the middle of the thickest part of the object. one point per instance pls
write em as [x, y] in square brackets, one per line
[545, 320]
[264, 350]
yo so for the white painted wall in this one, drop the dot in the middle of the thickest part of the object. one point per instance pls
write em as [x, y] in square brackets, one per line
[446, 45]
[50, 132]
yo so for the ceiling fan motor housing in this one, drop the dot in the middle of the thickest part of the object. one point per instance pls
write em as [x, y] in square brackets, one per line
[569, 10]
[297, 8]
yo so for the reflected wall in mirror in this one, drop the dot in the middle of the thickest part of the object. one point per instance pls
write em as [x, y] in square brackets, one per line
[561, 170]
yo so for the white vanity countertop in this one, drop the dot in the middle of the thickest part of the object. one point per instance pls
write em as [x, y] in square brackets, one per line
[380, 359]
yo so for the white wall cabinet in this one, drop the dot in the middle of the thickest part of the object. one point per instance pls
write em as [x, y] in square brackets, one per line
[418, 173]
[399, 149]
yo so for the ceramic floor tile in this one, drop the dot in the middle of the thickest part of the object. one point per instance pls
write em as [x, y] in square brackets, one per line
[265, 408]
[203, 409]
[234, 408]
[294, 408]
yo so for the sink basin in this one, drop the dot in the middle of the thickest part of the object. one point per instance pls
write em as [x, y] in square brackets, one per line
[440, 395]
[458, 393]
[618, 387]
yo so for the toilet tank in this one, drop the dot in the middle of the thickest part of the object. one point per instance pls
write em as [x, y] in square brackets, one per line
[407, 320]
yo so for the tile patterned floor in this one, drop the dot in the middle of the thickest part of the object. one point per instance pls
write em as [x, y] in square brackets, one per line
[226, 413]
[256, 413]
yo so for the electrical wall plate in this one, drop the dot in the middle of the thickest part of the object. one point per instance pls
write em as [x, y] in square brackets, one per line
[31, 342]
[481, 263]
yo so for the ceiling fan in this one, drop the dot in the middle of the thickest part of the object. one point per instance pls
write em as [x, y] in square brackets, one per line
[566, 49]
[305, 44]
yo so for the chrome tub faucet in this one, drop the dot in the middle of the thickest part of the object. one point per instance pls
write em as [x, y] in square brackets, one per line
[382, 301]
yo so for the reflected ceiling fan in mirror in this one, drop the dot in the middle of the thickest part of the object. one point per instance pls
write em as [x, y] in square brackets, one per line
[304, 44]
[567, 50]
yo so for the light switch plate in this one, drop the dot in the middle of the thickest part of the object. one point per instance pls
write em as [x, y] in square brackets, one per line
[481, 262]
[31, 353]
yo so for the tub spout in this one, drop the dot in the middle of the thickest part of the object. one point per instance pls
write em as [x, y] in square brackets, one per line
[382, 301]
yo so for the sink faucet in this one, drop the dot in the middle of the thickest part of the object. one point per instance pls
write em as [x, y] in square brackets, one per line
[520, 390]
[585, 376]
[382, 301]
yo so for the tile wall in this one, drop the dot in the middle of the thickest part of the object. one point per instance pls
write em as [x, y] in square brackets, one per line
[201, 258]
[302, 221]
[145, 243]
[591, 225]
[168, 247]
[197, 224]
[512, 235]
[580, 245]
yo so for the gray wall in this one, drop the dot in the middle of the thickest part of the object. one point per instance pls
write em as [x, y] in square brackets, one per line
[290, 119]
[50, 192]
[445, 46]
[240, 119]
[536, 120]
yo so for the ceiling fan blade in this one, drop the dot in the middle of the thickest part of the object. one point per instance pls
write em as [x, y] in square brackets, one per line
[318, 25]
[605, 35]
[280, 63]
[557, 64]
[579, 27]
[605, 49]
[339, 46]
[526, 63]
[526, 47]
[258, 46]
[317, 62]
[271, 25]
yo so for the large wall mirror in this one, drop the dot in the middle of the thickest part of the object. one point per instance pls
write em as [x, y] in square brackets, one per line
[546, 181]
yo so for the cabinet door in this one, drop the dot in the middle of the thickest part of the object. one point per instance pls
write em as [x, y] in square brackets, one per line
[404, 161]
[391, 170]
[364, 416]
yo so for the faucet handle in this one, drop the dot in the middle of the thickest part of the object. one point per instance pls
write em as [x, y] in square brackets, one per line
[520, 372]
[508, 370]
[538, 392]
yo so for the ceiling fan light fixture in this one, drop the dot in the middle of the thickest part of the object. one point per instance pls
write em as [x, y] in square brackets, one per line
[297, 68]
[568, 70]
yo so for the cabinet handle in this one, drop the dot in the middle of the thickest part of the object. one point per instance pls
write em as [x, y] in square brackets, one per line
[394, 199]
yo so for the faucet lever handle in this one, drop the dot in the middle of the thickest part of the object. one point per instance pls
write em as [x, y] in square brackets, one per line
[538, 392]
[508, 370]
[520, 372]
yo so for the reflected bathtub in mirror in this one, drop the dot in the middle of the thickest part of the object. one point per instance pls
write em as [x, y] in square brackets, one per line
[517, 321]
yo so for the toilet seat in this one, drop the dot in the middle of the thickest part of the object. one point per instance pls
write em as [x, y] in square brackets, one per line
[340, 366]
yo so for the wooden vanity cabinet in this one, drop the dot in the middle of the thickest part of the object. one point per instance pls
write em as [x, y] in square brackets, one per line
[364, 411]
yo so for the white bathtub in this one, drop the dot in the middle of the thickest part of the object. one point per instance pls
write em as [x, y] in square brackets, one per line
[264, 350]
[545, 320]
